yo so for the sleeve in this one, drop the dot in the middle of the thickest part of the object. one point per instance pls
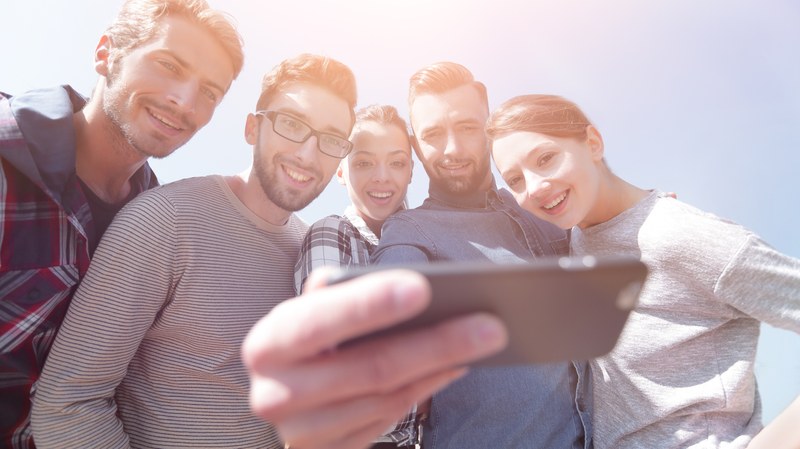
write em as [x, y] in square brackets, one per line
[126, 286]
[404, 432]
[328, 242]
[763, 283]
[403, 242]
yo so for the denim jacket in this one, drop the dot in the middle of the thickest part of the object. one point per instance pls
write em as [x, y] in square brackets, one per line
[536, 406]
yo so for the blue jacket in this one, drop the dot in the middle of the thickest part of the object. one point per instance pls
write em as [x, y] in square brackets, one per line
[500, 407]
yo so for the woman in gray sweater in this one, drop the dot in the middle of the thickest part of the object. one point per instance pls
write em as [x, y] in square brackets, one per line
[681, 374]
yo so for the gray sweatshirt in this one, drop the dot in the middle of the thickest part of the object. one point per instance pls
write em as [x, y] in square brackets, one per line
[681, 375]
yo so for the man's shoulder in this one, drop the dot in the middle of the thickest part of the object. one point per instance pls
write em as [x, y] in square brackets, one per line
[53, 103]
[194, 191]
[36, 129]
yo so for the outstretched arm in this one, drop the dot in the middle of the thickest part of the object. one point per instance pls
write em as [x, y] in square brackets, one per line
[783, 432]
[320, 396]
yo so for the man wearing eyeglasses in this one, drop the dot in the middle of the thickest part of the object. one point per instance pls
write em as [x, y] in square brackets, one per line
[149, 353]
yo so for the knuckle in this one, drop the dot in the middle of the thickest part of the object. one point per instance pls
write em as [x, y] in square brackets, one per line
[380, 372]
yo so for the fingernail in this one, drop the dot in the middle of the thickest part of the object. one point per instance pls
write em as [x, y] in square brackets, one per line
[488, 333]
[406, 296]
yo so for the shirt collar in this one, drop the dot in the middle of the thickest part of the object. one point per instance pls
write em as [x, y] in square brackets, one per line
[352, 216]
[46, 156]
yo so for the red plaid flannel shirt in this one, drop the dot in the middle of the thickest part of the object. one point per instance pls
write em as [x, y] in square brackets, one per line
[45, 230]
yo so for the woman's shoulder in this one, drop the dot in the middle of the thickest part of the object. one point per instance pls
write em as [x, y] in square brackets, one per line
[682, 217]
[332, 226]
[331, 221]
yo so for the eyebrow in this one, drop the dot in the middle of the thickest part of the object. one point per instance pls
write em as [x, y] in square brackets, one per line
[392, 153]
[330, 129]
[463, 121]
[534, 150]
[429, 129]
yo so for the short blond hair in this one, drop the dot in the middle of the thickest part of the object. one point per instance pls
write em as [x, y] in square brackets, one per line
[137, 22]
[442, 77]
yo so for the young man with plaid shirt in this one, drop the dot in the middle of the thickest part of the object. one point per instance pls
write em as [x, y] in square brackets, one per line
[68, 164]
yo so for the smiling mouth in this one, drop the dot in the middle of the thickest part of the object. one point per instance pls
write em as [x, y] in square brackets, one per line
[380, 195]
[556, 201]
[164, 120]
[454, 167]
[299, 177]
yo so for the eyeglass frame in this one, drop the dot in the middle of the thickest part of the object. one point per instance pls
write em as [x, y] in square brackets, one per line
[270, 115]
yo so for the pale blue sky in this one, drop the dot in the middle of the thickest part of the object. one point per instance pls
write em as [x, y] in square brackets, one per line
[700, 98]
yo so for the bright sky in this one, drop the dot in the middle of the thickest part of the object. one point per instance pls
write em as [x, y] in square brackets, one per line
[700, 98]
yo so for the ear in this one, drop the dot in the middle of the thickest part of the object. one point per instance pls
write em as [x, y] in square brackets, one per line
[102, 56]
[251, 129]
[595, 142]
[411, 176]
[340, 172]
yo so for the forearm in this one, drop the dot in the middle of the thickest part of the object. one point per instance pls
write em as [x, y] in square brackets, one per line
[783, 432]
[764, 284]
[112, 310]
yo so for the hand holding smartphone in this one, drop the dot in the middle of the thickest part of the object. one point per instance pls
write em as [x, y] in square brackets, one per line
[555, 309]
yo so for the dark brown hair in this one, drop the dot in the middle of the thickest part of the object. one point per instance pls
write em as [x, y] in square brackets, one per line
[382, 114]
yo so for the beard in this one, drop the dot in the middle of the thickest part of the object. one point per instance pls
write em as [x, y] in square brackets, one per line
[467, 183]
[116, 105]
[286, 198]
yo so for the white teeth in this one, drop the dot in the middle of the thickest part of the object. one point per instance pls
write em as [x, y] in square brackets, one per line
[380, 195]
[296, 176]
[164, 120]
[556, 201]
[453, 166]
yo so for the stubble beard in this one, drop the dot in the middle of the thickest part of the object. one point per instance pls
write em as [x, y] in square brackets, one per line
[115, 103]
[267, 176]
[461, 184]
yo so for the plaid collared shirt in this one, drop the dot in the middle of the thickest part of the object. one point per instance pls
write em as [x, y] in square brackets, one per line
[45, 231]
[347, 242]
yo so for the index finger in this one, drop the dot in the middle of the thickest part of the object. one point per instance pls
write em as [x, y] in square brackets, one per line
[323, 318]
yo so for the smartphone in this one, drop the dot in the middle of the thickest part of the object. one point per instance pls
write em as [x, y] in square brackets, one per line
[555, 309]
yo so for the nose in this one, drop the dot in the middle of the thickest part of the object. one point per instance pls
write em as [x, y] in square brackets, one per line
[537, 186]
[381, 173]
[451, 145]
[183, 95]
[307, 151]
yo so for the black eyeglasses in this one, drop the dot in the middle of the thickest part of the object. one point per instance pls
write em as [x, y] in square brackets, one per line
[298, 131]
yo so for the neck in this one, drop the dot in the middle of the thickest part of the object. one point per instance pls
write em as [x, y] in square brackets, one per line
[104, 160]
[373, 225]
[615, 196]
[246, 187]
[473, 197]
